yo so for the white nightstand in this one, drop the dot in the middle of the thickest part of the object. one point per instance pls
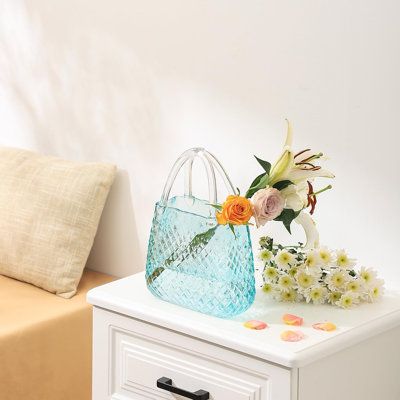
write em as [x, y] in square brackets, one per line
[139, 340]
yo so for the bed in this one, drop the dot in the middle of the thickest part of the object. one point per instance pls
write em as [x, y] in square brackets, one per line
[46, 341]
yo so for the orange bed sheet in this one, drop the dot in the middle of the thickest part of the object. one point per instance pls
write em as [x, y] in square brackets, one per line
[46, 341]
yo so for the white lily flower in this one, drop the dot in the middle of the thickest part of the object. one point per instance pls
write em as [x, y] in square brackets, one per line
[296, 196]
[296, 168]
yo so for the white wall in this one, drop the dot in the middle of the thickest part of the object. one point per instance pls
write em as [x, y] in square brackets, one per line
[137, 82]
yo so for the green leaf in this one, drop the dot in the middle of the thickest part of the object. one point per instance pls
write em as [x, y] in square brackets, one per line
[232, 229]
[257, 180]
[286, 217]
[265, 164]
[259, 183]
[217, 206]
[282, 184]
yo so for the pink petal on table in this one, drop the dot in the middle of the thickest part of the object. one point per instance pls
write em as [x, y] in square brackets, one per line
[325, 326]
[292, 336]
[290, 319]
[254, 324]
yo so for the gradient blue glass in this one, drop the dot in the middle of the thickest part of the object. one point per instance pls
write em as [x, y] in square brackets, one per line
[218, 278]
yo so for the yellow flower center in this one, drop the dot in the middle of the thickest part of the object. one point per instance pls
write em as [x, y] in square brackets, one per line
[288, 296]
[265, 255]
[267, 288]
[342, 260]
[316, 294]
[366, 276]
[335, 296]
[270, 273]
[310, 261]
[285, 281]
[354, 286]
[324, 256]
[347, 301]
[338, 280]
[284, 258]
[304, 280]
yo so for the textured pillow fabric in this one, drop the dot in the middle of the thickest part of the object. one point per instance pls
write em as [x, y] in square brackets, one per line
[49, 213]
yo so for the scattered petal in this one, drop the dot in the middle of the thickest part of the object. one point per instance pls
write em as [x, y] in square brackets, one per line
[290, 319]
[254, 324]
[292, 336]
[325, 326]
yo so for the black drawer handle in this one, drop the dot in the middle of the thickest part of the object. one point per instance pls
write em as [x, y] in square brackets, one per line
[166, 384]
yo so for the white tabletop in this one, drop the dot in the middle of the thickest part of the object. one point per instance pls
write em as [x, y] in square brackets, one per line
[129, 296]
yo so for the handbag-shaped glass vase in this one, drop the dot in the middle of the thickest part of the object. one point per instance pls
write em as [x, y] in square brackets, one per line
[192, 261]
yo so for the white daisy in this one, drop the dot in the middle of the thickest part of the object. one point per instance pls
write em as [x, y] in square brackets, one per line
[348, 300]
[265, 255]
[355, 285]
[367, 274]
[284, 259]
[375, 290]
[317, 294]
[336, 280]
[285, 283]
[325, 255]
[343, 260]
[305, 280]
[312, 264]
[269, 288]
[290, 296]
[312, 259]
[293, 271]
[271, 273]
[333, 297]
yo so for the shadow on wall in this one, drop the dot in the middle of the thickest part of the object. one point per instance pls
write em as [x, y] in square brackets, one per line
[87, 98]
[117, 231]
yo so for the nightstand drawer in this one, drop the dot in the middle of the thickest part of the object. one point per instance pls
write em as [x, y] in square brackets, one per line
[139, 354]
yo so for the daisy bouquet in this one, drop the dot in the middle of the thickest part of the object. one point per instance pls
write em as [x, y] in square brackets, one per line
[316, 276]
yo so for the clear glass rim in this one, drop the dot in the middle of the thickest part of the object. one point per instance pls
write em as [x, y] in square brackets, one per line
[161, 204]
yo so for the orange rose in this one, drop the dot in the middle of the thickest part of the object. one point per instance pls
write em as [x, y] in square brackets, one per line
[236, 210]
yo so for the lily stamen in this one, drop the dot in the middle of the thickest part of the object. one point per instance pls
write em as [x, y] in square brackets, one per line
[313, 157]
[301, 152]
[313, 167]
[322, 190]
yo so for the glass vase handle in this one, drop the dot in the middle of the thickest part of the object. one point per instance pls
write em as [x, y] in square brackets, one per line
[211, 164]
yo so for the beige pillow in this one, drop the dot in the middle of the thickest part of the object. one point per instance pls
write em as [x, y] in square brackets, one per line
[49, 213]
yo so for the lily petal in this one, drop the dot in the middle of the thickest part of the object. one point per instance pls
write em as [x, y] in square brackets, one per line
[297, 175]
[294, 202]
[312, 235]
[289, 134]
[282, 167]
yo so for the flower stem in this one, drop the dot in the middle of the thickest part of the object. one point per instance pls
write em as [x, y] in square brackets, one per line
[196, 245]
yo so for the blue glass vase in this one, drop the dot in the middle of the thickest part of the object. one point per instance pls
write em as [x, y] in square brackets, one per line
[194, 262]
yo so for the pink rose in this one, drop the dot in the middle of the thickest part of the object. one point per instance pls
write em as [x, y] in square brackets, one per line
[267, 205]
